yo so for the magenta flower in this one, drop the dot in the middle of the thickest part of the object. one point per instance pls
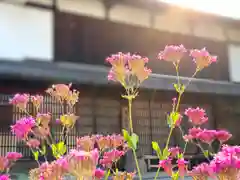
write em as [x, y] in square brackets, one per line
[20, 100]
[192, 134]
[172, 53]
[110, 157]
[99, 173]
[203, 171]
[174, 151]
[23, 127]
[4, 177]
[223, 136]
[181, 166]
[13, 156]
[202, 58]
[207, 136]
[167, 166]
[196, 116]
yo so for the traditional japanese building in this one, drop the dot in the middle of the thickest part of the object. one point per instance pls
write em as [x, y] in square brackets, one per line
[63, 41]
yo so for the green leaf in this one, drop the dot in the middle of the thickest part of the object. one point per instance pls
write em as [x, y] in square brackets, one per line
[134, 140]
[177, 88]
[125, 135]
[131, 140]
[180, 156]
[175, 175]
[54, 151]
[61, 148]
[165, 154]
[36, 155]
[156, 148]
[182, 88]
[206, 153]
[43, 150]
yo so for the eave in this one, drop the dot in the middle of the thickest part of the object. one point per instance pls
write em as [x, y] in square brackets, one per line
[97, 75]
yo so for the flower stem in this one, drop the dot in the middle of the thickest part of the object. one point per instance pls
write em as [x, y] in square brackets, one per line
[137, 165]
[130, 98]
[157, 173]
[107, 175]
[130, 114]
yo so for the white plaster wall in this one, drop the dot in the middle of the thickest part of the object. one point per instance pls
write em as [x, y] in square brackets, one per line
[209, 30]
[25, 32]
[93, 8]
[130, 15]
[234, 62]
[173, 22]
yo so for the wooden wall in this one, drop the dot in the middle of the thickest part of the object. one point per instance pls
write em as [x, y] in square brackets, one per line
[102, 110]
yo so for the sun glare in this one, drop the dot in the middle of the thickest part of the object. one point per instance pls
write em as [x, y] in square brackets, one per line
[227, 8]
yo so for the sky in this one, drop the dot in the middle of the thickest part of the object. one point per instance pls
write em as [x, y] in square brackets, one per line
[229, 8]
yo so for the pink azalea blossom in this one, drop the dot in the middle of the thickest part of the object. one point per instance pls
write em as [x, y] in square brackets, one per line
[99, 173]
[20, 100]
[13, 156]
[202, 58]
[5, 177]
[223, 136]
[23, 127]
[172, 53]
[196, 116]
[207, 136]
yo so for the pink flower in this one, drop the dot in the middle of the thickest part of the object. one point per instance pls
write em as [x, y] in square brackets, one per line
[4, 163]
[126, 66]
[181, 167]
[63, 163]
[167, 166]
[33, 143]
[174, 151]
[20, 100]
[99, 173]
[203, 170]
[37, 100]
[110, 157]
[172, 53]
[194, 132]
[196, 116]
[202, 58]
[207, 136]
[23, 127]
[223, 136]
[13, 156]
[4, 177]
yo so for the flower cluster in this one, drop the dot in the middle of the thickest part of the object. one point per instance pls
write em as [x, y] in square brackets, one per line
[174, 53]
[6, 162]
[63, 93]
[225, 165]
[87, 143]
[23, 127]
[128, 69]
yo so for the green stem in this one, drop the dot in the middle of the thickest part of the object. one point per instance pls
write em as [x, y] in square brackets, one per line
[157, 173]
[130, 114]
[131, 132]
[107, 175]
[137, 165]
